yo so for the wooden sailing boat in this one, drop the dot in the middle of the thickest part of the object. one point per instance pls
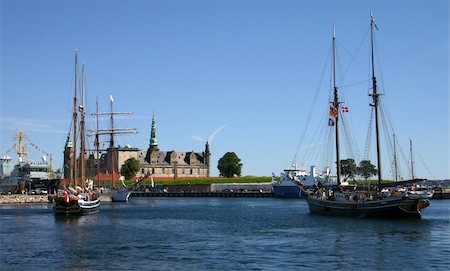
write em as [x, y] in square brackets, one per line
[359, 203]
[78, 200]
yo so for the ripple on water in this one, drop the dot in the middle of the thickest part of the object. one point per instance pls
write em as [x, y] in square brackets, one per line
[219, 234]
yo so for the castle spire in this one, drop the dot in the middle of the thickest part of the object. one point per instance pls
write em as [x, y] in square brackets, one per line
[207, 158]
[69, 143]
[153, 140]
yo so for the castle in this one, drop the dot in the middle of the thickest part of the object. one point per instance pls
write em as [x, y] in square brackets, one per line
[172, 163]
[166, 164]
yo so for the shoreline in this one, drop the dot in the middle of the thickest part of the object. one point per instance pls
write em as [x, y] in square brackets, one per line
[39, 199]
[22, 199]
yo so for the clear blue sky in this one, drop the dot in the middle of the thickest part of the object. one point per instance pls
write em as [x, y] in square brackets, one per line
[252, 65]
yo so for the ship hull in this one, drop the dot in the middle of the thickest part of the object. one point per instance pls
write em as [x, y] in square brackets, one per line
[119, 195]
[291, 192]
[385, 208]
[77, 208]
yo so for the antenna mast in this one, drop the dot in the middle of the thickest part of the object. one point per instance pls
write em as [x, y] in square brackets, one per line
[21, 151]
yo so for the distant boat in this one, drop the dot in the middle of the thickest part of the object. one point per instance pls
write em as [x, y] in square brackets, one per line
[78, 200]
[123, 194]
[287, 186]
[27, 175]
[420, 192]
[362, 202]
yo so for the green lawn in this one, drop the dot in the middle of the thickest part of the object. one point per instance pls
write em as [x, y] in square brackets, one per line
[246, 179]
[368, 181]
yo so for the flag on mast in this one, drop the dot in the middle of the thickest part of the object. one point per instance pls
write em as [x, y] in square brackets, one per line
[330, 122]
[333, 112]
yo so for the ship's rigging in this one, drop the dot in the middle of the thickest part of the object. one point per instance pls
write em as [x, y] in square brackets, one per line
[320, 147]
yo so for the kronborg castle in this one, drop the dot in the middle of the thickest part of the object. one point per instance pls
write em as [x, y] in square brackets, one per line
[167, 164]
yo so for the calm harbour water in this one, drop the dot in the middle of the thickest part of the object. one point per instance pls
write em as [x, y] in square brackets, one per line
[219, 234]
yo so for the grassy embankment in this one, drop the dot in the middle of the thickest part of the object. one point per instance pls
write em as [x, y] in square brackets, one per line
[203, 181]
[217, 180]
[368, 181]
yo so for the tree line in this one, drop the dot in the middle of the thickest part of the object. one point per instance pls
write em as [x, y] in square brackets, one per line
[350, 170]
[230, 166]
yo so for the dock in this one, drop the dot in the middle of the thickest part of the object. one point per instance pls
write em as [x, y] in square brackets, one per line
[441, 195]
[246, 194]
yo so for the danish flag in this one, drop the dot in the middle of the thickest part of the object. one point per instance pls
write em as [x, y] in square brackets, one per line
[66, 197]
[345, 109]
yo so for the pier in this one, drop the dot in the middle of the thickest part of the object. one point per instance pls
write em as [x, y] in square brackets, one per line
[249, 194]
[25, 199]
[441, 195]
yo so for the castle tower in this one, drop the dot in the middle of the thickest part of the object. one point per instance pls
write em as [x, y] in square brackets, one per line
[153, 141]
[68, 153]
[207, 158]
[152, 151]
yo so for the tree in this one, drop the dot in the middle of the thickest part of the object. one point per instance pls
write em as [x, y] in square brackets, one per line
[229, 165]
[366, 169]
[348, 168]
[130, 168]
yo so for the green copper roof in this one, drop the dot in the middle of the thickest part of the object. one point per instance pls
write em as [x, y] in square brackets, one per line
[69, 143]
[153, 140]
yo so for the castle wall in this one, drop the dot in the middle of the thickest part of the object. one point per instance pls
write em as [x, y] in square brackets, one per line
[182, 171]
[125, 154]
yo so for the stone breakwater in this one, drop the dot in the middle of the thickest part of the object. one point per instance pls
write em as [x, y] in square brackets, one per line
[14, 199]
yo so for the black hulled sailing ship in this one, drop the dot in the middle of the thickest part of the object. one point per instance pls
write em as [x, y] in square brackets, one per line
[78, 200]
[356, 202]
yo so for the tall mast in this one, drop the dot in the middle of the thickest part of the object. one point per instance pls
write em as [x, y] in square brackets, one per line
[111, 132]
[82, 129]
[97, 143]
[375, 95]
[412, 161]
[74, 120]
[21, 151]
[395, 162]
[111, 142]
[336, 108]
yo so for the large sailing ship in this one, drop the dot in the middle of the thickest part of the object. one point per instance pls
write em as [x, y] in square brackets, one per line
[363, 202]
[78, 198]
